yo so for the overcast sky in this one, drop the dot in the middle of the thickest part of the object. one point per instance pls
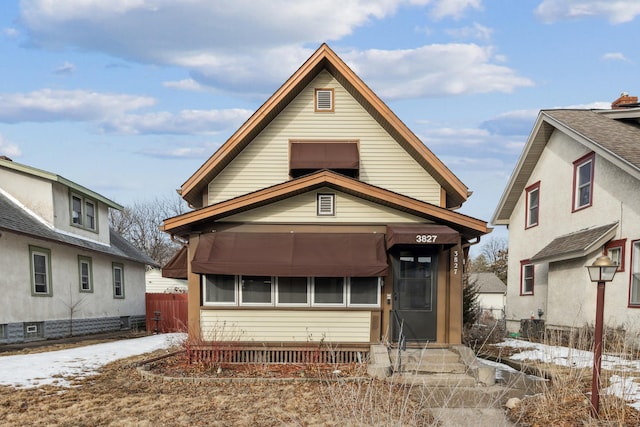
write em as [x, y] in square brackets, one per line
[130, 97]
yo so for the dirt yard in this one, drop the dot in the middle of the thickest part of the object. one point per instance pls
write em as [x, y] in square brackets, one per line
[119, 396]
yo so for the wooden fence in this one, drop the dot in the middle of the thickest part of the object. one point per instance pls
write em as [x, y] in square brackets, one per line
[166, 312]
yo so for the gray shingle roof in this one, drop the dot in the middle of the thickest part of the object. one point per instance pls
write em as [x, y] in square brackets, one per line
[621, 137]
[15, 219]
[488, 283]
[575, 244]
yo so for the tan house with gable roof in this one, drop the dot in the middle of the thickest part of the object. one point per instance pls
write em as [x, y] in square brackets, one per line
[325, 218]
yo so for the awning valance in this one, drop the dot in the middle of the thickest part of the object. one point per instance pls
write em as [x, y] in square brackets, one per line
[324, 155]
[421, 234]
[291, 254]
[176, 267]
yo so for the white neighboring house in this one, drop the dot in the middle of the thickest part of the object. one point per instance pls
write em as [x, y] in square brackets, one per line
[157, 284]
[64, 271]
[572, 197]
[491, 293]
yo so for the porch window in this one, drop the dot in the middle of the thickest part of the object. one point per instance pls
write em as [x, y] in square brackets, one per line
[40, 259]
[290, 291]
[219, 289]
[293, 291]
[526, 277]
[533, 205]
[255, 290]
[634, 292]
[583, 182]
[364, 291]
[328, 290]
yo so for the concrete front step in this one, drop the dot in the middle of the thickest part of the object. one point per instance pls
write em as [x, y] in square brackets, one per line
[432, 368]
[430, 355]
[433, 379]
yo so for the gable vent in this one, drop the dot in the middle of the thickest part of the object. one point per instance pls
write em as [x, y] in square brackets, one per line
[324, 99]
[326, 204]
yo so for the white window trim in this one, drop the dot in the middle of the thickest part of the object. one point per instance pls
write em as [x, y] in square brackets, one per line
[320, 304]
[635, 270]
[233, 303]
[376, 305]
[255, 304]
[292, 304]
[579, 164]
[524, 279]
[88, 262]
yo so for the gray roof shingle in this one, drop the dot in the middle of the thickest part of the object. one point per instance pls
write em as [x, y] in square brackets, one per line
[574, 244]
[15, 219]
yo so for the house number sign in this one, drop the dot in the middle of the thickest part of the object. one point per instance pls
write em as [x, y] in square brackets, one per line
[426, 238]
[456, 261]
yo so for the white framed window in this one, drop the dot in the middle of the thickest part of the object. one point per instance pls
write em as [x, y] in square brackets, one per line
[256, 290]
[85, 273]
[293, 291]
[364, 291]
[583, 182]
[533, 205]
[219, 289]
[267, 291]
[329, 291]
[634, 291]
[84, 212]
[615, 250]
[527, 276]
[40, 260]
[326, 204]
[324, 101]
[118, 280]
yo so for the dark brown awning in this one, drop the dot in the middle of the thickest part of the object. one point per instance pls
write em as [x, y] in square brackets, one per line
[176, 267]
[324, 155]
[291, 254]
[421, 234]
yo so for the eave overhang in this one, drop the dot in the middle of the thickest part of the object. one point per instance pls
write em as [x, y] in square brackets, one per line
[199, 219]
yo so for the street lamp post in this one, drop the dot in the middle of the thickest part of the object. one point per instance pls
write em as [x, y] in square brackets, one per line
[602, 270]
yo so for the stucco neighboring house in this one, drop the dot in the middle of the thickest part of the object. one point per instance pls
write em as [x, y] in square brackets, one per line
[324, 218]
[572, 197]
[492, 293]
[64, 271]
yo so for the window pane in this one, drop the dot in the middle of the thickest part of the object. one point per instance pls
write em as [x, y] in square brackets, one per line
[364, 290]
[76, 210]
[292, 290]
[615, 255]
[584, 174]
[117, 281]
[40, 273]
[91, 215]
[220, 288]
[635, 275]
[527, 279]
[533, 207]
[328, 290]
[256, 289]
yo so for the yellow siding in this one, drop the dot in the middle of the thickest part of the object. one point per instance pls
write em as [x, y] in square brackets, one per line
[302, 209]
[265, 161]
[285, 325]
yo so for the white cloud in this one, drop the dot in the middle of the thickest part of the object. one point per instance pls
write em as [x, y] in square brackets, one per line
[185, 84]
[185, 122]
[193, 151]
[477, 31]
[454, 8]
[48, 105]
[614, 56]
[434, 70]
[8, 149]
[10, 33]
[615, 11]
[65, 69]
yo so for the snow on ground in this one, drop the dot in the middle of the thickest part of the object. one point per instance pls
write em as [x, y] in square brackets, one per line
[36, 369]
[625, 385]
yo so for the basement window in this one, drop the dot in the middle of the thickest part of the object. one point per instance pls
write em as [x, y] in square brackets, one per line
[324, 101]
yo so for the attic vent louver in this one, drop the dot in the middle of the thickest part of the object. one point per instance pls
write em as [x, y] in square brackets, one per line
[326, 204]
[324, 99]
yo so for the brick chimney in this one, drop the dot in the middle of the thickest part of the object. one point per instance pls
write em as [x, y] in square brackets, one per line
[624, 101]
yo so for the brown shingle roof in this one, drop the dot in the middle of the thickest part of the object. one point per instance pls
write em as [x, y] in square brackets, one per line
[620, 137]
[575, 244]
